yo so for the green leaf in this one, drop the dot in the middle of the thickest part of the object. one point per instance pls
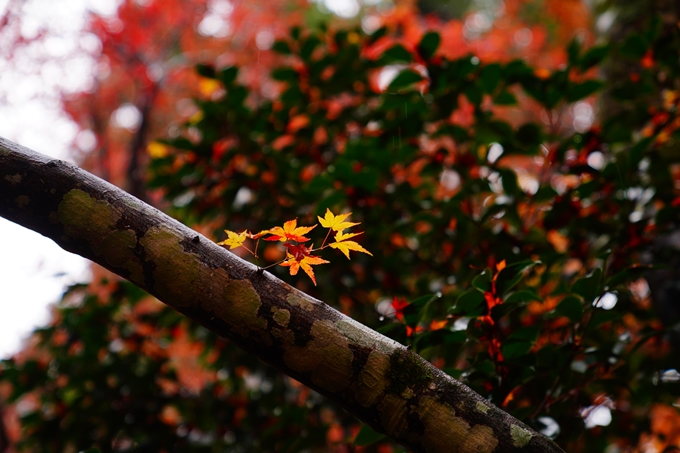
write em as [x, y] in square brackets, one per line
[528, 333]
[615, 131]
[593, 57]
[505, 98]
[482, 282]
[295, 32]
[509, 181]
[512, 275]
[206, 70]
[490, 76]
[395, 331]
[517, 70]
[545, 357]
[228, 75]
[413, 312]
[628, 275]
[544, 193]
[571, 307]
[524, 296]
[504, 309]
[453, 372]
[429, 44]
[367, 436]
[534, 87]
[530, 134]
[573, 51]
[439, 338]
[471, 303]
[473, 93]
[601, 316]
[282, 47]
[588, 287]
[638, 150]
[582, 90]
[396, 53]
[635, 46]
[486, 366]
[379, 33]
[284, 74]
[519, 343]
[404, 79]
[308, 47]
[515, 349]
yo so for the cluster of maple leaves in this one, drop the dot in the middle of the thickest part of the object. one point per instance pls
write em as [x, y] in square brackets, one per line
[293, 238]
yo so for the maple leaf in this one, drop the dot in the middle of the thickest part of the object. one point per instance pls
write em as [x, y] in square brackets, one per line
[289, 232]
[258, 235]
[305, 263]
[399, 305]
[341, 243]
[410, 330]
[234, 239]
[298, 251]
[335, 222]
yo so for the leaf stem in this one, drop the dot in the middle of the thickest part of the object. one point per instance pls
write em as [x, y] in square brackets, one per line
[323, 244]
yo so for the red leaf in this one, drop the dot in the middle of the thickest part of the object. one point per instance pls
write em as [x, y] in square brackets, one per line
[399, 305]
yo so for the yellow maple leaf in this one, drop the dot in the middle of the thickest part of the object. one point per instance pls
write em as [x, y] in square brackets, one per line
[234, 239]
[335, 222]
[305, 263]
[341, 243]
[290, 232]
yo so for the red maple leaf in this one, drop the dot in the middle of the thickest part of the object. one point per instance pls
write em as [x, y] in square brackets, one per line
[399, 305]
[298, 251]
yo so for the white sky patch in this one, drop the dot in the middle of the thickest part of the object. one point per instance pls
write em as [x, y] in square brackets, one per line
[607, 301]
[370, 23]
[597, 416]
[216, 21]
[127, 116]
[495, 151]
[34, 271]
[264, 40]
[549, 427]
[596, 160]
[343, 8]
[583, 116]
[449, 179]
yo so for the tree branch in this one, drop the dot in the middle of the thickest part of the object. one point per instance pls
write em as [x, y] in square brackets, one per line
[378, 380]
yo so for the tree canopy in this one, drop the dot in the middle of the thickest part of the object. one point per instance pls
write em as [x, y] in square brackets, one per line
[522, 221]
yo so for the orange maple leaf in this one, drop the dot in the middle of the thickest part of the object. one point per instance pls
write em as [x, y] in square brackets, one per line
[305, 263]
[258, 235]
[289, 232]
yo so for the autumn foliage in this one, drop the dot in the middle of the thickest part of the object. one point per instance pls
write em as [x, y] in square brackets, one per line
[299, 256]
[520, 210]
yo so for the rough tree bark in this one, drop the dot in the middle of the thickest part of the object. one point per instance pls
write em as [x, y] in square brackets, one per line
[378, 380]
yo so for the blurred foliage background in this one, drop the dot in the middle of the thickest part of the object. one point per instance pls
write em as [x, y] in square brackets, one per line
[515, 167]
